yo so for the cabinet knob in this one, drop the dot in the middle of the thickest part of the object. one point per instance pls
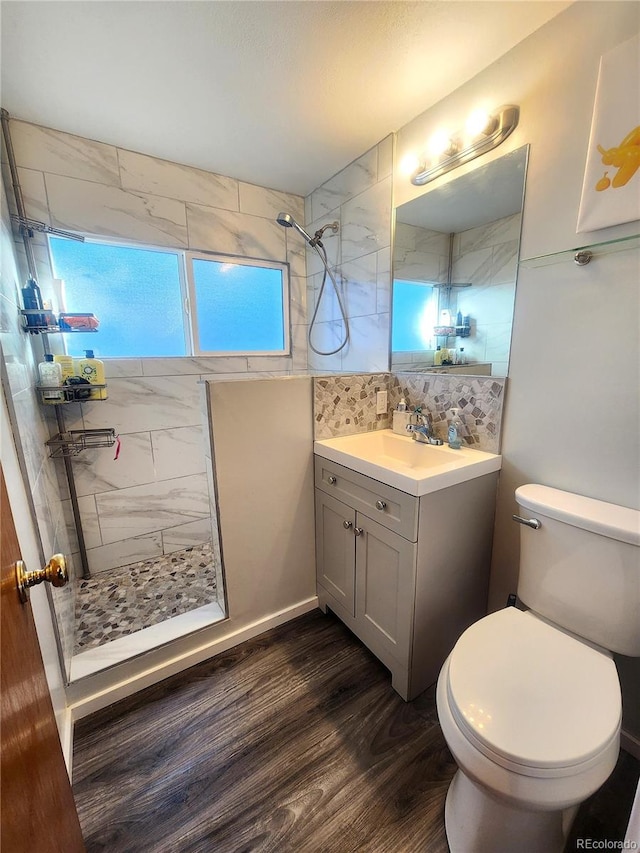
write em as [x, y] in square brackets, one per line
[332, 480]
[358, 531]
[381, 504]
[347, 525]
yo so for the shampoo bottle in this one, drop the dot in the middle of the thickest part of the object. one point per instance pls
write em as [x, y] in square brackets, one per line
[66, 363]
[437, 357]
[51, 376]
[92, 369]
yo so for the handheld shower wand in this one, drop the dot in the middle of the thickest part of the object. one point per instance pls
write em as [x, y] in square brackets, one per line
[287, 221]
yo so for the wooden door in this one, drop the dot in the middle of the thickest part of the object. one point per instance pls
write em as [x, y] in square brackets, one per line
[385, 589]
[38, 813]
[335, 549]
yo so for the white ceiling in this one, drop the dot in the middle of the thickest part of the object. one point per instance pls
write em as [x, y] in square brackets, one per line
[281, 93]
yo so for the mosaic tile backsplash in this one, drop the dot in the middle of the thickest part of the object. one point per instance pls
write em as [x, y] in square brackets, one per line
[479, 400]
[345, 405]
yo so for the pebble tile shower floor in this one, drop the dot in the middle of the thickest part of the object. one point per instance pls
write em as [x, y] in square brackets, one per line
[142, 594]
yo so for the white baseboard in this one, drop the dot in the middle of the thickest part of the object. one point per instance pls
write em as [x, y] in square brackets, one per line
[82, 704]
[630, 743]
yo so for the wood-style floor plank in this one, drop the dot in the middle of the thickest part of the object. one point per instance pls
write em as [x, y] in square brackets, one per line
[293, 742]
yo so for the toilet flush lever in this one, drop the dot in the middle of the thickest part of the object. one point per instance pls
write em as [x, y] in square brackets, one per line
[530, 522]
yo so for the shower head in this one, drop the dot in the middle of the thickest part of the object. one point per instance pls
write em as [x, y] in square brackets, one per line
[287, 221]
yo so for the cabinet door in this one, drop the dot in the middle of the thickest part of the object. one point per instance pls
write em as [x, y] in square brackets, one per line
[335, 551]
[385, 588]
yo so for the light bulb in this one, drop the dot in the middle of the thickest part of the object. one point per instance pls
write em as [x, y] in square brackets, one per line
[440, 143]
[480, 121]
[409, 164]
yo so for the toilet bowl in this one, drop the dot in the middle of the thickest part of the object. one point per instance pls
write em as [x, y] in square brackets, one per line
[529, 702]
[532, 718]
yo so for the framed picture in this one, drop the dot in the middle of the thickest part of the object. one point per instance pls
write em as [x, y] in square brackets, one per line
[611, 188]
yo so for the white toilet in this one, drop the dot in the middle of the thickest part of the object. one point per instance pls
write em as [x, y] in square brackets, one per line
[529, 702]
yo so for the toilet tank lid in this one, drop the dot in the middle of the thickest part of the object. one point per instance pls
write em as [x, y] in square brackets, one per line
[605, 519]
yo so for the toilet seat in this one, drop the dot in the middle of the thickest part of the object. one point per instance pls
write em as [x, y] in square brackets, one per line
[532, 698]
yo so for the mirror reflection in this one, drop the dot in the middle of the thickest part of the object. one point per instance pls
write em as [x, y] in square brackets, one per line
[455, 262]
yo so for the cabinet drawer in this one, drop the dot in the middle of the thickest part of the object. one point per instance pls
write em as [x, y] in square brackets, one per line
[388, 506]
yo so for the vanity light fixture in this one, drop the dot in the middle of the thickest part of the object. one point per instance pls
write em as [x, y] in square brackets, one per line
[483, 133]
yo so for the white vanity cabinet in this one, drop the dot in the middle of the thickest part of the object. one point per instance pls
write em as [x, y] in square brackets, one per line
[406, 574]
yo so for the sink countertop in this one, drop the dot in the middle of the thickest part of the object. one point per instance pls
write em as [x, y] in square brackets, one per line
[408, 465]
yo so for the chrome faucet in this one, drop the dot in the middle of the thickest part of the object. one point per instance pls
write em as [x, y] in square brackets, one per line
[422, 431]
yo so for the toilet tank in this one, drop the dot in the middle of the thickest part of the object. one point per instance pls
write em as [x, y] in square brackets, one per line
[581, 568]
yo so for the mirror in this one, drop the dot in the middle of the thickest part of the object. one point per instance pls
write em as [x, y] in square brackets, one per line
[455, 262]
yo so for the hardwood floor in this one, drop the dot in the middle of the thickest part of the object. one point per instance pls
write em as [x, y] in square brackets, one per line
[293, 742]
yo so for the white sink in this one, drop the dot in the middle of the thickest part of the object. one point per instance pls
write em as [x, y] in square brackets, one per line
[406, 464]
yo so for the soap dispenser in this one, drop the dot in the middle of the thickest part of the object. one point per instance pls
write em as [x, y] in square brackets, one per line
[454, 434]
[401, 417]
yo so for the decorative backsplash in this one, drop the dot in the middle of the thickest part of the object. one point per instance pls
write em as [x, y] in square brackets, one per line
[345, 405]
[479, 400]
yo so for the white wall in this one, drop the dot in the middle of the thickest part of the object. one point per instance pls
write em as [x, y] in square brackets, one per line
[571, 418]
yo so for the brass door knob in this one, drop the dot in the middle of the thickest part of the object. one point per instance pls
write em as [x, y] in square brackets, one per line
[55, 573]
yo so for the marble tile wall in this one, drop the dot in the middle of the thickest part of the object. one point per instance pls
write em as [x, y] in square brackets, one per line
[479, 400]
[488, 257]
[155, 498]
[359, 199]
[19, 354]
[345, 405]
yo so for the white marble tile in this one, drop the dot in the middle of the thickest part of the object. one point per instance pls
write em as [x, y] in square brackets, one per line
[498, 342]
[492, 303]
[186, 535]
[325, 337]
[308, 215]
[59, 153]
[385, 157]
[384, 261]
[296, 255]
[260, 201]
[146, 509]
[234, 233]
[411, 265]
[300, 347]
[368, 349]
[328, 308]
[502, 230]
[297, 299]
[475, 266]
[178, 452]
[122, 368]
[98, 471]
[143, 404]
[142, 173]
[185, 366]
[333, 247]
[360, 285]
[366, 221]
[89, 520]
[34, 194]
[352, 180]
[504, 264]
[124, 552]
[97, 209]
[271, 364]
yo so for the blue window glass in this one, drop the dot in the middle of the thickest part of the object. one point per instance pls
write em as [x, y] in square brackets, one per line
[134, 293]
[414, 316]
[239, 307]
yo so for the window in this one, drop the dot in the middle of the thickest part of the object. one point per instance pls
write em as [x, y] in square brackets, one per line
[415, 313]
[161, 302]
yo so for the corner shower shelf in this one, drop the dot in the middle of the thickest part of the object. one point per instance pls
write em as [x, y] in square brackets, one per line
[582, 255]
[74, 441]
